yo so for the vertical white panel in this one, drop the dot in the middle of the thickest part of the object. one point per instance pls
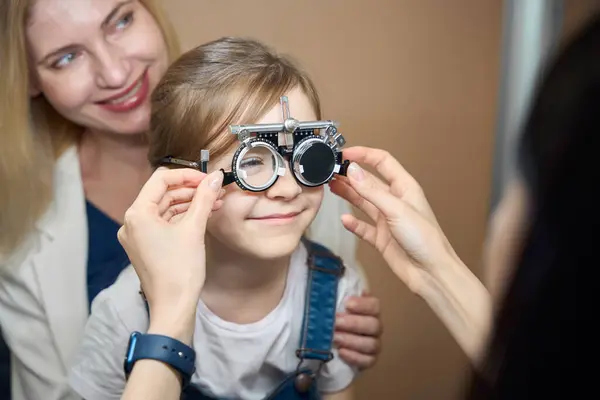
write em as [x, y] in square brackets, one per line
[531, 29]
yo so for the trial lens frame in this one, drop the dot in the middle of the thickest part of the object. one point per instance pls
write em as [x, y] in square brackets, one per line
[201, 166]
[285, 132]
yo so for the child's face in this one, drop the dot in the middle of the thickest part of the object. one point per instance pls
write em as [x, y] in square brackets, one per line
[267, 224]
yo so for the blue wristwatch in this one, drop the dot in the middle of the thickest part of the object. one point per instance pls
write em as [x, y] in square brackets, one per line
[161, 348]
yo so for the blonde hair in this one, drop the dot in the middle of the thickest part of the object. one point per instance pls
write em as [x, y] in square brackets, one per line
[213, 86]
[33, 134]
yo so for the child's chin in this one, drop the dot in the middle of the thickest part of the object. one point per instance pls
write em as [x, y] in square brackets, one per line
[275, 248]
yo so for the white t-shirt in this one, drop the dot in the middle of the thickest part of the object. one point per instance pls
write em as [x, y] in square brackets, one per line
[232, 360]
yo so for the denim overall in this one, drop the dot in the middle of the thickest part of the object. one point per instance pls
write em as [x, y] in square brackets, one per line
[324, 271]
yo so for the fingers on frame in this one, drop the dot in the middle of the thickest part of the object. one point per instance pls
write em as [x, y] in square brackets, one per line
[384, 163]
[174, 197]
[176, 210]
[344, 190]
[198, 204]
[360, 228]
[163, 178]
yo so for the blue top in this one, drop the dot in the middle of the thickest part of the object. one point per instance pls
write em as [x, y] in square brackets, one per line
[106, 256]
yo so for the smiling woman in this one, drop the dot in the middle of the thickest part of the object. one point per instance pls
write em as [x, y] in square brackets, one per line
[103, 81]
[73, 157]
[46, 90]
[69, 164]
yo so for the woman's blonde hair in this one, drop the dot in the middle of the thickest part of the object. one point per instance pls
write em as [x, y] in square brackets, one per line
[32, 133]
[225, 81]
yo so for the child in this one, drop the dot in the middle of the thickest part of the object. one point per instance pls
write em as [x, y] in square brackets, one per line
[254, 318]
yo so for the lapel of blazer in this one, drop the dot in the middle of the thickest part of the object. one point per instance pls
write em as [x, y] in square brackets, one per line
[61, 263]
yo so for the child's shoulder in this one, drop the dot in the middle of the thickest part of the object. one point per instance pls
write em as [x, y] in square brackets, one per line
[124, 291]
[123, 301]
[351, 282]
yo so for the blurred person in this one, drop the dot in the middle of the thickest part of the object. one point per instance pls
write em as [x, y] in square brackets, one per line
[542, 239]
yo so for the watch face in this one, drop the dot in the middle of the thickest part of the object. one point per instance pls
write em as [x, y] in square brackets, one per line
[128, 364]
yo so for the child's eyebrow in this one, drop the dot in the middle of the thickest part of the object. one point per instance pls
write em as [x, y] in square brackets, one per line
[225, 158]
[228, 156]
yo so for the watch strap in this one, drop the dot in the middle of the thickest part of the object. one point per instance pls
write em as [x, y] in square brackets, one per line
[161, 348]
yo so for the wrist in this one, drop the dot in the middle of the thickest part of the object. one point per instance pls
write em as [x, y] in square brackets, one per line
[182, 331]
[167, 350]
[176, 320]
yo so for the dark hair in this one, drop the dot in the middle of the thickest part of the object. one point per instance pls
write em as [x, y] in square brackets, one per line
[543, 329]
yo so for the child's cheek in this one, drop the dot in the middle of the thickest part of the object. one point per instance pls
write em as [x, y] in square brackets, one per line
[315, 195]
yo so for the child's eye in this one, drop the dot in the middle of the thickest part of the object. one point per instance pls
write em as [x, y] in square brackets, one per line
[251, 162]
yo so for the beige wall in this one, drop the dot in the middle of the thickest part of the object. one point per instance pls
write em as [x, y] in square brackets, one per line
[416, 77]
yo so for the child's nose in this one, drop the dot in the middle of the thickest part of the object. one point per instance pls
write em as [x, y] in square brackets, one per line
[286, 187]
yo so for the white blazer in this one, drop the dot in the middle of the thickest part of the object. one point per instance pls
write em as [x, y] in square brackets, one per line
[43, 285]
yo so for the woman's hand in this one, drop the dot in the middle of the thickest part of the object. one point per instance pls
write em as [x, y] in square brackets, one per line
[405, 231]
[166, 246]
[358, 331]
[163, 236]
[403, 227]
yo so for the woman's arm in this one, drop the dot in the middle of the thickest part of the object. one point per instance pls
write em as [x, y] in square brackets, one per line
[464, 306]
[404, 229]
[166, 381]
[169, 258]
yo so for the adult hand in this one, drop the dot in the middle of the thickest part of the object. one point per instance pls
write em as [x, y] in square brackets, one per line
[358, 331]
[406, 233]
[166, 246]
[403, 228]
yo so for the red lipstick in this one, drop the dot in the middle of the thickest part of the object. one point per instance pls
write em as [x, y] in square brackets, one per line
[130, 98]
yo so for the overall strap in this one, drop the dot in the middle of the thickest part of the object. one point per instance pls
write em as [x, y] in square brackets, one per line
[324, 272]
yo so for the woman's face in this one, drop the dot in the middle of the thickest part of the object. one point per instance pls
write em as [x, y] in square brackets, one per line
[96, 61]
[505, 237]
